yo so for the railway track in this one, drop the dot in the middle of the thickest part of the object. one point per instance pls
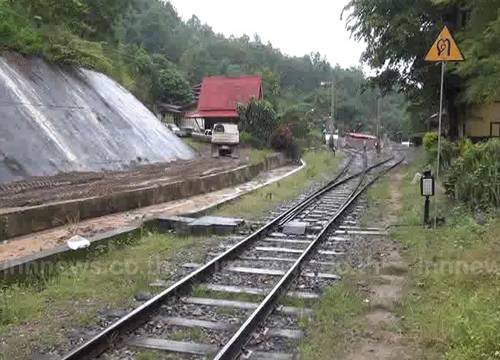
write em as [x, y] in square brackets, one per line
[219, 307]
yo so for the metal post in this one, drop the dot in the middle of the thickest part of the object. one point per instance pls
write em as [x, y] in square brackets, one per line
[443, 67]
[333, 107]
[378, 116]
[426, 210]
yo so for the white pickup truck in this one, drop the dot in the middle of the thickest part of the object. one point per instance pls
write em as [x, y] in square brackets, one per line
[225, 140]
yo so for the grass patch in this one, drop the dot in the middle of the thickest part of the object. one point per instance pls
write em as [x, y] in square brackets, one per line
[452, 291]
[190, 334]
[266, 199]
[379, 198]
[198, 146]
[158, 355]
[258, 156]
[297, 302]
[70, 298]
[336, 316]
[88, 319]
[226, 310]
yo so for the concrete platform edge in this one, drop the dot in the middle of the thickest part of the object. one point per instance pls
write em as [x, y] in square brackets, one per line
[43, 263]
[210, 208]
[29, 220]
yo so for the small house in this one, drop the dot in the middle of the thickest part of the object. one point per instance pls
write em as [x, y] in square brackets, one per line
[219, 98]
[481, 122]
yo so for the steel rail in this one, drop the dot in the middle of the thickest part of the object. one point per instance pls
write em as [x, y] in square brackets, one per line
[106, 338]
[236, 344]
[328, 188]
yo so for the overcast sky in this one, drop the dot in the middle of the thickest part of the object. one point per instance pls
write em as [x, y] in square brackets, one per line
[296, 27]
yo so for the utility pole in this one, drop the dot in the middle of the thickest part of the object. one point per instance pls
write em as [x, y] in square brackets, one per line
[378, 115]
[333, 107]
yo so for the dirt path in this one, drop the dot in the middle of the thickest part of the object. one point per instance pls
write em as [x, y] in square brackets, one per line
[383, 338]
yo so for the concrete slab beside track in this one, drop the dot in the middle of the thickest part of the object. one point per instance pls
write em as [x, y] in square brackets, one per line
[49, 244]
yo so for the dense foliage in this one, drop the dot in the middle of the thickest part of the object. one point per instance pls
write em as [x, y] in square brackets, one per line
[146, 46]
[450, 151]
[475, 176]
[259, 119]
[398, 35]
[472, 171]
[283, 140]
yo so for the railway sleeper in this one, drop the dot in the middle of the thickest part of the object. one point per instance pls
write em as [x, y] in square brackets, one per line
[272, 272]
[225, 326]
[198, 349]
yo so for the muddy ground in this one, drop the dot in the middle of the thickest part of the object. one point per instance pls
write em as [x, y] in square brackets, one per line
[76, 185]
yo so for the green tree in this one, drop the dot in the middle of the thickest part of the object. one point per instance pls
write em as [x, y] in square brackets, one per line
[101, 16]
[398, 34]
[296, 117]
[172, 87]
[54, 12]
[481, 46]
[259, 119]
[146, 46]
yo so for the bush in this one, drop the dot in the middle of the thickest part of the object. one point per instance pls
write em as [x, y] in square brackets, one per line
[258, 143]
[17, 33]
[293, 149]
[54, 43]
[281, 135]
[62, 46]
[245, 138]
[282, 140]
[449, 150]
[295, 117]
[474, 178]
[430, 141]
[315, 138]
[259, 119]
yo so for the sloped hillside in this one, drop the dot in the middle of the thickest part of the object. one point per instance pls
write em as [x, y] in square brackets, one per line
[55, 119]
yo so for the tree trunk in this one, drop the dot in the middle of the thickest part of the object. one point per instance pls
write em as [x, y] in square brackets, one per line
[453, 113]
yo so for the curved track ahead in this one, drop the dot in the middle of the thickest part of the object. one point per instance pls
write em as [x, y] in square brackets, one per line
[322, 210]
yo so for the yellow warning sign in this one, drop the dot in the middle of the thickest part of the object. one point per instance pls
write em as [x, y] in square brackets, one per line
[444, 49]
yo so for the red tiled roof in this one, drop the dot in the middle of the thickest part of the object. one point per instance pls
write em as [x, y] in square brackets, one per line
[211, 114]
[223, 94]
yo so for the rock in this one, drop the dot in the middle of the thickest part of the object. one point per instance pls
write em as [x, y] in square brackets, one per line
[295, 228]
[116, 313]
[197, 312]
[416, 178]
[143, 296]
[78, 242]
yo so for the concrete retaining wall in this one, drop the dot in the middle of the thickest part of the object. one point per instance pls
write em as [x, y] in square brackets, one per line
[37, 218]
[42, 264]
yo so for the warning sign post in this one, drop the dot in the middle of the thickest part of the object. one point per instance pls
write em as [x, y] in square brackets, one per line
[444, 49]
